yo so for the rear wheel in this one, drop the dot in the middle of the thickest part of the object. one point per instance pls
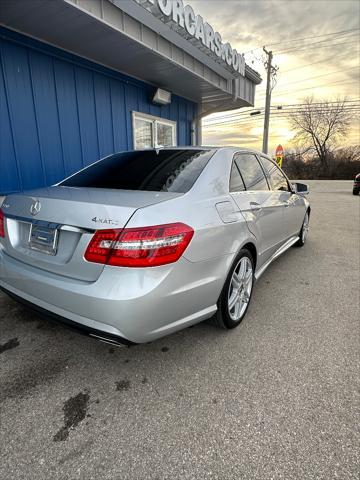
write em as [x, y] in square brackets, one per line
[355, 192]
[236, 293]
[304, 231]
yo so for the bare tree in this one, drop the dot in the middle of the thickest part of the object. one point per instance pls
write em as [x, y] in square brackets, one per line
[319, 125]
[348, 154]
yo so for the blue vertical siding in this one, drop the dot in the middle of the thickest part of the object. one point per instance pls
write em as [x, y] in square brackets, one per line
[46, 115]
[9, 168]
[69, 129]
[120, 126]
[104, 123]
[59, 112]
[20, 98]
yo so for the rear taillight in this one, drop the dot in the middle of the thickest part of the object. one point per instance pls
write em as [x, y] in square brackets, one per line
[139, 247]
[2, 224]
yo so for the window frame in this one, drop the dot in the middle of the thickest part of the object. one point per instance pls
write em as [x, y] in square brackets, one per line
[237, 168]
[154, 120]
[236, 154]
[268, 176]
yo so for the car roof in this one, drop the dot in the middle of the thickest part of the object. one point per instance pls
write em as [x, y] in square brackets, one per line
[231, 149]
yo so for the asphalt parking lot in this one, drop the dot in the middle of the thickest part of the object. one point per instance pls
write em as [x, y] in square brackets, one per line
[277, 398]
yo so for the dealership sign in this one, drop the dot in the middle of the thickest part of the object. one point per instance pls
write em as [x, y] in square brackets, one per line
[185, 19]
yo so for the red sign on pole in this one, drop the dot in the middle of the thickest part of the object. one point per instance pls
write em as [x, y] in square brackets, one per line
[279, 154]
[279, 151]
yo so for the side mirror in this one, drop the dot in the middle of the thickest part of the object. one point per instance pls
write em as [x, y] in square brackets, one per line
[301, 188]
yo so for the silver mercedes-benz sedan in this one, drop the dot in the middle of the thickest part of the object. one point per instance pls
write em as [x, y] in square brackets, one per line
[141, 244]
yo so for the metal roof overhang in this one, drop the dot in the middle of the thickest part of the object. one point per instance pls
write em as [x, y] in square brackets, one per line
[126, 38]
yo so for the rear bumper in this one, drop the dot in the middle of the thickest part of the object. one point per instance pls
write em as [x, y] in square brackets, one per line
[79, 327]
[129, 304]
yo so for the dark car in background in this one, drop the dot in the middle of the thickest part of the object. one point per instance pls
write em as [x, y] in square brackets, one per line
[356, 187]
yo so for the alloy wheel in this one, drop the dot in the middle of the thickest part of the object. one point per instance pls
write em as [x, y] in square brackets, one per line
[240, 288]
[305, 228]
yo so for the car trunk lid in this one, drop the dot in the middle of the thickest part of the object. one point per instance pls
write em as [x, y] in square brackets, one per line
[50, 228]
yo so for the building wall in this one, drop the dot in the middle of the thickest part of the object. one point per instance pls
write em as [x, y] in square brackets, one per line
[58, 112]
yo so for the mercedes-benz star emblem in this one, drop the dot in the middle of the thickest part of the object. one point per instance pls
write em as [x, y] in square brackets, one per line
[35, 207]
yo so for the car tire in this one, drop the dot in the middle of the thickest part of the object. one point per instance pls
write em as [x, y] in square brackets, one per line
[304, 230]
[225, 316]
[355, 192]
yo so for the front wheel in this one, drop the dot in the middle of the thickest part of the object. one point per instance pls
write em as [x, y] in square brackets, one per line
[236, 293]
[304, 231]
[355, 192]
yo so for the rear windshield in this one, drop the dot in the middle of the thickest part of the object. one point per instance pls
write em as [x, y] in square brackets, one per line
[152, 170]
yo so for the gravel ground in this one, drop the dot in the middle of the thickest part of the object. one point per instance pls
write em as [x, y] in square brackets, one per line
[277, 398]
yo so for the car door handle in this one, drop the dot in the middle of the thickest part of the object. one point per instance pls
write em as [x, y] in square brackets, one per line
[255, 206]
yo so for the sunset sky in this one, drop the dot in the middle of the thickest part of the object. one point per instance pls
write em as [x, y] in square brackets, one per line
[281, 25]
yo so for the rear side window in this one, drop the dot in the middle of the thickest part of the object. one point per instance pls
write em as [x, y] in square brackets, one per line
[277, 178]
[251, 172]
[236, 183]
[151, 170]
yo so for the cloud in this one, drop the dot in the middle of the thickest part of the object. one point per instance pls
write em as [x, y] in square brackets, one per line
[229, 137]
[273, 21]
[281, 24]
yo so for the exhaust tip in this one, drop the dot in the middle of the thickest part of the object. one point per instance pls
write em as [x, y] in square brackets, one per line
[107, 340]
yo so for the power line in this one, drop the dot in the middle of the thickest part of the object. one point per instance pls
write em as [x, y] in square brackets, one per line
[258, 121]
[279, 94]
[311, 46]
[279, 114]
[313, 63]
[318, 76]
[282, 120]
[232, 121]
[261, 117]
[320, 103]
[316, 36]
[283, 107]
[319, 86]
[305, 38]
[317, 43]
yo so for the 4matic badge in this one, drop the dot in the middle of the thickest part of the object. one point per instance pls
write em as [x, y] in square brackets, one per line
[107, 221]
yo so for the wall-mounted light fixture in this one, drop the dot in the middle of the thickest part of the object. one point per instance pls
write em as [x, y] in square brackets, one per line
[162, 97]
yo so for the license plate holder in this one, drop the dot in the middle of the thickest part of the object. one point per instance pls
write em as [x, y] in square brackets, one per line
[43, 237]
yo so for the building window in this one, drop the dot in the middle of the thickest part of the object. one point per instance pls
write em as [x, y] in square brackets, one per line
[153, 132]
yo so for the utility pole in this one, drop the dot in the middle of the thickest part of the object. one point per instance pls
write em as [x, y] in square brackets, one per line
[270, 70]
[268, 100]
